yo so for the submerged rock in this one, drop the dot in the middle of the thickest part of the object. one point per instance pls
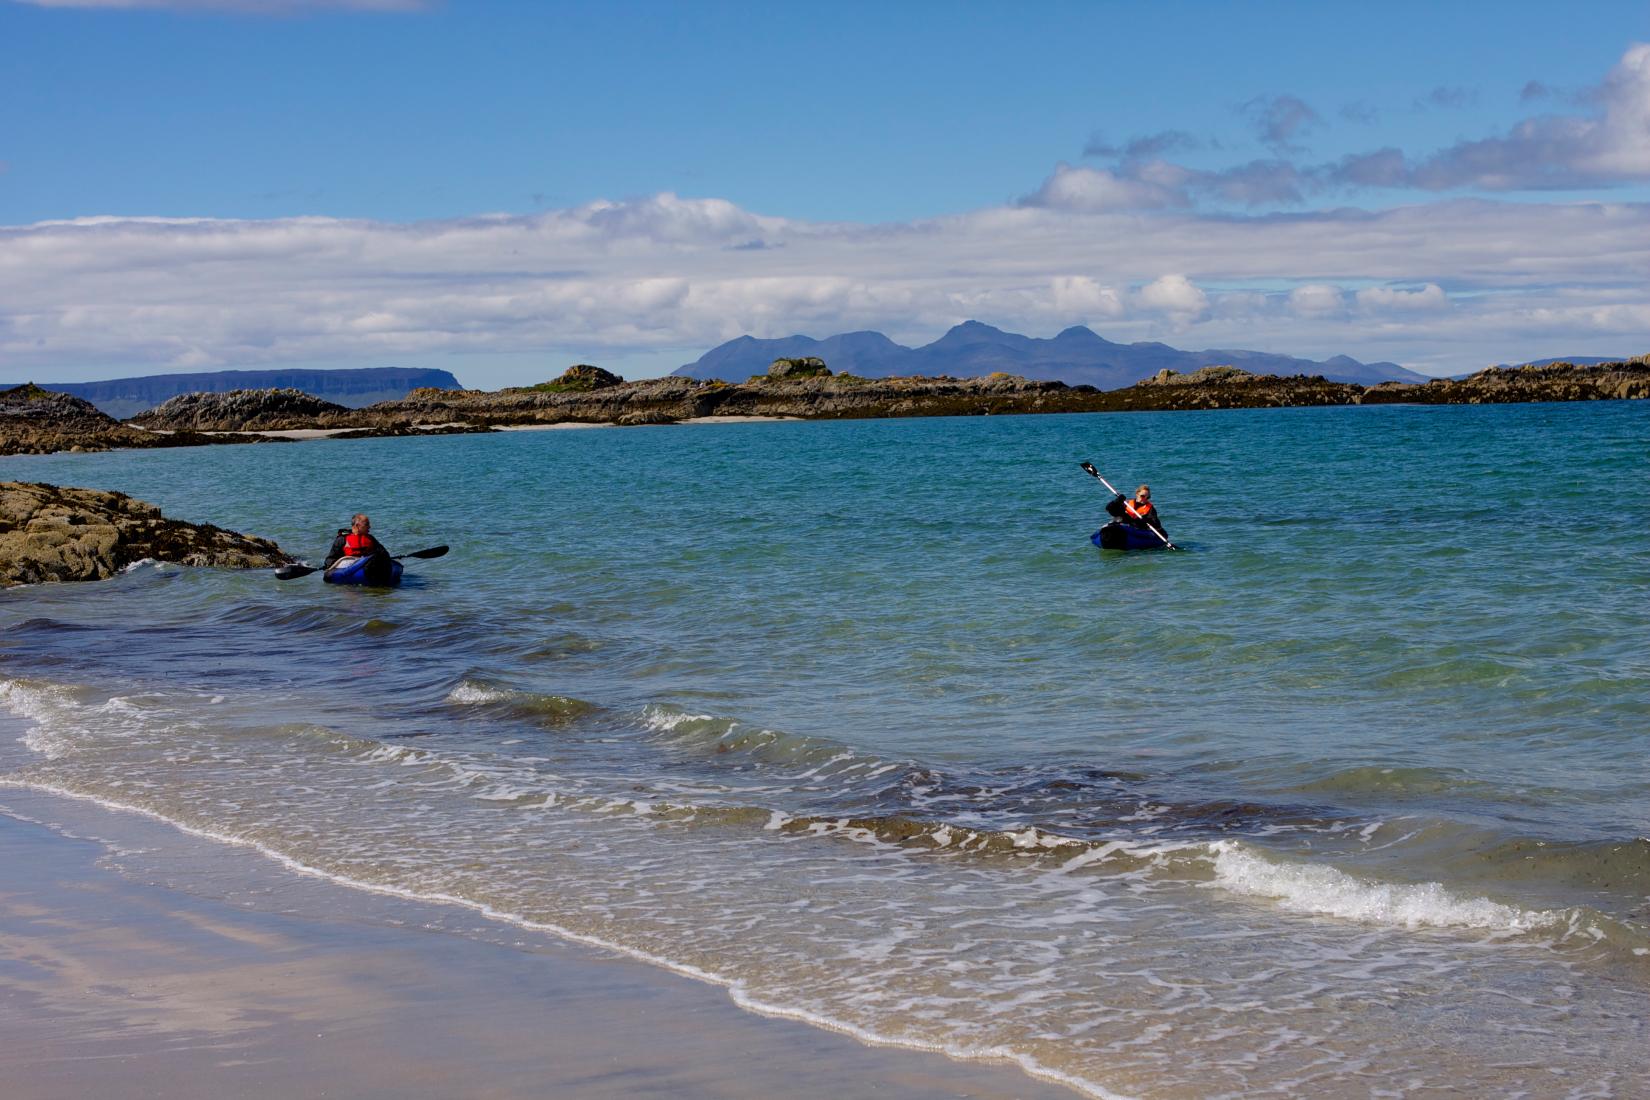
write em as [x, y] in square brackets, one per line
[52, 533]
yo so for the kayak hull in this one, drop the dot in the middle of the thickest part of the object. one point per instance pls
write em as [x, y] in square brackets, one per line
[1122, 536]
[373, 572]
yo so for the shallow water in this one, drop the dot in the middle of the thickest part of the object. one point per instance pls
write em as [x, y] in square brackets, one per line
[1348, 797]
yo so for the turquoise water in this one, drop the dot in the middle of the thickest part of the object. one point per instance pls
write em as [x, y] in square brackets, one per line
[851, 718]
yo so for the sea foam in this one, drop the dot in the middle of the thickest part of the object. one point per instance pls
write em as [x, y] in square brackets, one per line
[1311, 888]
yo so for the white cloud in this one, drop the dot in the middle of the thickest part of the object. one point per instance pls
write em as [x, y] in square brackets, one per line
[1609, 146]
[1175, 295]
[1316, 299]
[607, 281]
[1427, 299]
[1079, 296]
[1094, 190]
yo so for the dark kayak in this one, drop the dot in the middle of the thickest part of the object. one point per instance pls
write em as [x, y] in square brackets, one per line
[377, 571]
[1121, 536]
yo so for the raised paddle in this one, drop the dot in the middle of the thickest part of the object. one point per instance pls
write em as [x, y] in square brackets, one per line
[1088, 468]
[288, 572]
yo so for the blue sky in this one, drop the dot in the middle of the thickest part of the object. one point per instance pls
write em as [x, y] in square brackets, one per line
[505, 188]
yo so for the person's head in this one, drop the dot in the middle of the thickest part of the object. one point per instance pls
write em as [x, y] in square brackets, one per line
[360, 524]
[1143, 493]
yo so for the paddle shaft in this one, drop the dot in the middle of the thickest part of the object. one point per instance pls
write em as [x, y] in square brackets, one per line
[293, 572]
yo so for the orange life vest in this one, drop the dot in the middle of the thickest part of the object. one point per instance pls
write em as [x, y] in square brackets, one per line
[1139, 510]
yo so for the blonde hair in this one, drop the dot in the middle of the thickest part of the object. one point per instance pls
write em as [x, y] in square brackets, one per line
[1145, 488]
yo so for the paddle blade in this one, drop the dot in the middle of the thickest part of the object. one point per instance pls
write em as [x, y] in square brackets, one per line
[432, 552]
[288, 572]
[1088, 468]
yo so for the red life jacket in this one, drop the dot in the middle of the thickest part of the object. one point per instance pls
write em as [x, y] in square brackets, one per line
[1139, 510]
[358, 546]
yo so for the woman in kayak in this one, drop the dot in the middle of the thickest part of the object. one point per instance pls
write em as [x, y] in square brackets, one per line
[1139, 512]
[355, 541]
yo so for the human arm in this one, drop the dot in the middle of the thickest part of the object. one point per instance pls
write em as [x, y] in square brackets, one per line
[337, 549]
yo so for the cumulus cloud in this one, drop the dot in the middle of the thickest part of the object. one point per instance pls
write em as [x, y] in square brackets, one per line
[1607, 147]
[1100, 189]
[1079, 296]
[1379, 299]
[1258, 183]
[1316, 299]
[611, 279]
[1174, 295]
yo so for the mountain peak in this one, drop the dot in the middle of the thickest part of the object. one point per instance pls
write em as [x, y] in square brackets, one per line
[973, 330]
[1079, 334]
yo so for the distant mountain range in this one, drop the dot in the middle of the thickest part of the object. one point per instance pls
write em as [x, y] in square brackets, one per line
[1077, 356]
[352, 387]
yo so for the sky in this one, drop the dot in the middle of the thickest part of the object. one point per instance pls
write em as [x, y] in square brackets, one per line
[502, 189]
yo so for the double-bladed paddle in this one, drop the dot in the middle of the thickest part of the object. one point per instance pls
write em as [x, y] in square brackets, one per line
[288, 572]
[1088, 468]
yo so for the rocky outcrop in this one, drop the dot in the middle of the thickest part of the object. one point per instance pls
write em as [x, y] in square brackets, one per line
[807, 390]
[809, 366]
[1626, 380]
[1228, 387]
[1203, 376]
[238, 410]
[354, 387]
[38, 421]
[664, 400]
[48, 533]
[826, 396]
[582, 378]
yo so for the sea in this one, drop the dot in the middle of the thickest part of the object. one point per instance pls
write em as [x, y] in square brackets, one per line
[1348, 796]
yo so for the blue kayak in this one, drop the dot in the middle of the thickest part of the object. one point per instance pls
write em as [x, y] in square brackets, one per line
[374, 572]
[1121, 536]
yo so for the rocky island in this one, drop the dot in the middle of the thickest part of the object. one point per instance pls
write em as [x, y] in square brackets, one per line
[49, 533]
[39, 421]
[33, 420]
[807, 389]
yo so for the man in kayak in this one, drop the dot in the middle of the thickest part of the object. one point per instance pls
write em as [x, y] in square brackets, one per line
[355, 541]
[1138, 512]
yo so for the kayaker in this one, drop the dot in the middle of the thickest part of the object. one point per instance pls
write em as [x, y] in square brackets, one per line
[1139, 512]
[355, 541]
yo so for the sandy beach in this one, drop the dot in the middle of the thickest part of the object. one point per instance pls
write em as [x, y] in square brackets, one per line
[166, 968]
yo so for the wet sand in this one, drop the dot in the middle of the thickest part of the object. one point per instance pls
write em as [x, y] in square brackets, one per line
[140, 973]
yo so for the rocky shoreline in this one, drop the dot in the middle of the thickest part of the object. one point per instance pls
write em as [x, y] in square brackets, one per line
[51, 533]
[39, 421]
